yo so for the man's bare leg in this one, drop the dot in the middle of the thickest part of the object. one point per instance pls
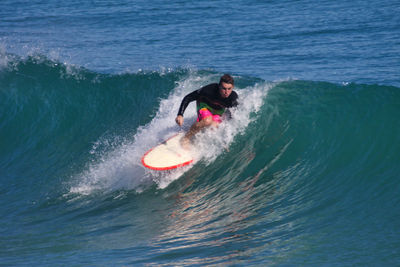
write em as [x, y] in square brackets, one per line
[195, 128]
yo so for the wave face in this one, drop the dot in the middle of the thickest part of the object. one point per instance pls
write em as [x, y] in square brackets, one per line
[305, 172]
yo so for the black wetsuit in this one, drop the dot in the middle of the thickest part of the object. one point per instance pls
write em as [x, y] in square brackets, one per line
[209, 95]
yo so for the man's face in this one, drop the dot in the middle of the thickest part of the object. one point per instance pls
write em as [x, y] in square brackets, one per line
[225, 89]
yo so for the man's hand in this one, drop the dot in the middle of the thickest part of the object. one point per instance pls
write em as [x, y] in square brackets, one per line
[179, 120]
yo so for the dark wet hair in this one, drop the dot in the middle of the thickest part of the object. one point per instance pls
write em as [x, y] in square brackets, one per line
[226, 78]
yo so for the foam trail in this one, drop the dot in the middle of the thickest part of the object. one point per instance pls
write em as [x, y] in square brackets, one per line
[121, 168]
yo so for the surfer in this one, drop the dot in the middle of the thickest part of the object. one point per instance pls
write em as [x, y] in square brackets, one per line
[212, 101]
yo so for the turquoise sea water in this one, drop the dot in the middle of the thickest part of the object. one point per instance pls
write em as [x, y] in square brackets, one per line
[305, 174]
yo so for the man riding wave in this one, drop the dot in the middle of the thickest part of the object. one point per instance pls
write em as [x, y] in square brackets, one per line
[212, 101]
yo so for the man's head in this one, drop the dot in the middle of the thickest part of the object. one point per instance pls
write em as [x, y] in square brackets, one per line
[226, 85]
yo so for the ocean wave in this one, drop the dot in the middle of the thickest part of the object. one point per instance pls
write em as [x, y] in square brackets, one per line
[104, 123]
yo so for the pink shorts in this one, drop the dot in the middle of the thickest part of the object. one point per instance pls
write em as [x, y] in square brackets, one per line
[204, 113]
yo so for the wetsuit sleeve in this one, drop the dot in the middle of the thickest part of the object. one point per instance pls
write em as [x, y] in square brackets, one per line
[186, 100]
[234, 103]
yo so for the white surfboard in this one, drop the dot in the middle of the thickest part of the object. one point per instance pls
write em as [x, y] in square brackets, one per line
[167, 155]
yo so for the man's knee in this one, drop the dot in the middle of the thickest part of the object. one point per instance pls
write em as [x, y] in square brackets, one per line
[207, 121]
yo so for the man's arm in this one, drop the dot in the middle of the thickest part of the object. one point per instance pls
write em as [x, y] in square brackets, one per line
[185, 102]
[234, 103]
[235, 99]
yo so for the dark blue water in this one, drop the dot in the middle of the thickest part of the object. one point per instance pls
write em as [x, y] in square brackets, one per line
[306, 172]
